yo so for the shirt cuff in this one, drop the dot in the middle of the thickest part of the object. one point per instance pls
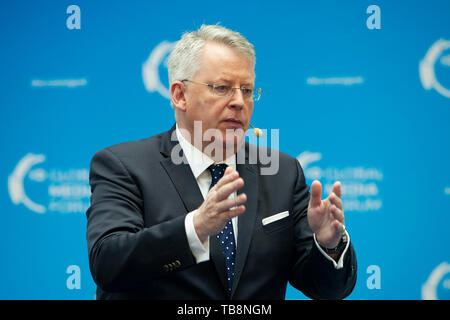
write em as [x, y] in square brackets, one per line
[199, 250]
[340, 263]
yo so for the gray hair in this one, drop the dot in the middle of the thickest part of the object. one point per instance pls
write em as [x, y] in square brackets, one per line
[184, 61]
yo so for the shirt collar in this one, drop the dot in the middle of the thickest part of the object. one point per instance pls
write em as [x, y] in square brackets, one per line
[198, 161]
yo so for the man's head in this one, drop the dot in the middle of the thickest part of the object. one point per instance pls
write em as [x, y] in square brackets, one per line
[202, 64]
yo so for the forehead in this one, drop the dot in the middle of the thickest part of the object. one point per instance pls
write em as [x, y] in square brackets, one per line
[219, 61]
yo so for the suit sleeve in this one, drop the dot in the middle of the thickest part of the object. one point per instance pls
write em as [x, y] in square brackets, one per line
[123, 253]
[312, 273]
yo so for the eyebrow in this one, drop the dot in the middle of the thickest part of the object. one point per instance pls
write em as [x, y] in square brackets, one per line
[229, 82]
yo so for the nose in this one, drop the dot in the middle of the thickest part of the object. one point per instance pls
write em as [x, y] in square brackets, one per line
[237, 100]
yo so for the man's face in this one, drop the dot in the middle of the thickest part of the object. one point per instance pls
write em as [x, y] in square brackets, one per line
[220, 65]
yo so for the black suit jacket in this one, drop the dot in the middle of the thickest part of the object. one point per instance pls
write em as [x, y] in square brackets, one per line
[138, 248]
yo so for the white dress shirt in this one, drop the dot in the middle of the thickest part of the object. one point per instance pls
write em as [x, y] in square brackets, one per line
[199, 163]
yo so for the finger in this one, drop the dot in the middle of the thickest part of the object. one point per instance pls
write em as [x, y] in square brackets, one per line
[334, 199]
[229, 175]
[338, 214]
[229, 214]
[224, 191]
[316, 194]
[232, 203]
[337, 188]
[340, 228]
[229, 170]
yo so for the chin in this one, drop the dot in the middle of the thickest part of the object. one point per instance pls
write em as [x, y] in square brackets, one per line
[224, 143]
[233, 142]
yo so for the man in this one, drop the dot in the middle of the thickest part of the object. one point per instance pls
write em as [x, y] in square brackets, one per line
[210, 226]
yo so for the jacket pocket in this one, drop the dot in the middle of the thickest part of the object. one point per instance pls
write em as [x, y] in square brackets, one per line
[277, 222]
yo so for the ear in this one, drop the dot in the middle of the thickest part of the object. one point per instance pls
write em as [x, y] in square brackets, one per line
[177, 94]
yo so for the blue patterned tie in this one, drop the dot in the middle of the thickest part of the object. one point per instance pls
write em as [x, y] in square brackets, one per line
[226, 236]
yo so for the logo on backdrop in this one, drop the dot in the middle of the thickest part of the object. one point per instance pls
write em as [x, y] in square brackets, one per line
[360, 185]
[155, 66]
[427, 67]
[51, 189]
[334, 81]
[59, 83]
[437, 285]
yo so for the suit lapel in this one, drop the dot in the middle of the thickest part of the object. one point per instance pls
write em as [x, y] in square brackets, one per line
[185, 183]
[180, 174]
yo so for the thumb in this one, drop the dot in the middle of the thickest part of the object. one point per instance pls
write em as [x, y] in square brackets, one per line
[316, 194]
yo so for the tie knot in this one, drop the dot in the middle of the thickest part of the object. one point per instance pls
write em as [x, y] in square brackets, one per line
[217, 172]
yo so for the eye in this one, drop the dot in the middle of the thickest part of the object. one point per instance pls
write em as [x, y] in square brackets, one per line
[247, 92]
[221, 89]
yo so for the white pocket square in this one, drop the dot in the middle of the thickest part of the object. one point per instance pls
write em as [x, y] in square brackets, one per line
[275, 217]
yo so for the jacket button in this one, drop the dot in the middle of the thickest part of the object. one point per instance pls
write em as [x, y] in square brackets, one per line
[177, 263]
[166, 268]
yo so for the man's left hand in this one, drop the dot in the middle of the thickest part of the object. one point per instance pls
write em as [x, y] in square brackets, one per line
[326, 217]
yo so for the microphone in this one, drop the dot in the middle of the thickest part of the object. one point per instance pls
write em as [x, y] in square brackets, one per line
[257, 131]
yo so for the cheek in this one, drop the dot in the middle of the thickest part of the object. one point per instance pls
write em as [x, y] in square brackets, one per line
[207, 110]
[197, 108]
[214, 109]
[250, 110]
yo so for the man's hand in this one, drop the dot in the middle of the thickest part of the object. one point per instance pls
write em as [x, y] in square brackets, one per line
[212, 216]
[326, 218]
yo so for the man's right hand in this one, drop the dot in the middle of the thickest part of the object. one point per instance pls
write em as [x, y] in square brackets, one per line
[212, 216]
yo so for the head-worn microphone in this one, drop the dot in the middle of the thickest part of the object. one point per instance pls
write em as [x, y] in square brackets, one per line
[257, 131]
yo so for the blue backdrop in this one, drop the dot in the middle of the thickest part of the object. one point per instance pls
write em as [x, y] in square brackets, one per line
[359, 93]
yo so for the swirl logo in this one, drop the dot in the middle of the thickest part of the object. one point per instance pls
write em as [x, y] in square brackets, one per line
[438, 280]
[151, 68]
[427, 67]
[60, 190]
[16, 181]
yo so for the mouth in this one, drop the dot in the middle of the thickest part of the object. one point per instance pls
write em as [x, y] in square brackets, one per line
[233, 123]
